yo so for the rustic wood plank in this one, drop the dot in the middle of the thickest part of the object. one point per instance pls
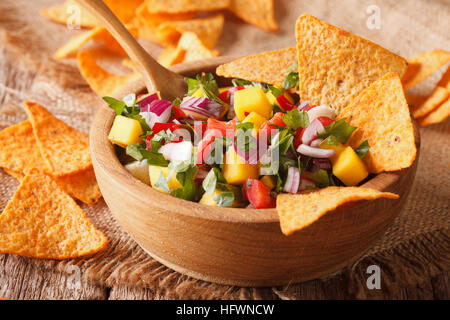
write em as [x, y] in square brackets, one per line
[122, 292]
[21, 280]
[441, 286]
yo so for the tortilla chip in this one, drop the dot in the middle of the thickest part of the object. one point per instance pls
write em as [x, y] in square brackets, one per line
[298, 211]
[64, 149]
[208, 30]
[438, 115]
[335, 66]
[257, 12]
[445, 80]
[436, 98]
[382, 116]
[18, 150]
[98, 34]
[82, 186]
[101, 81]
[67, 11]
[179, 6]
[423, 65]
[415, 101]
[147, 23]
[42, 221]
[171, 56]
[195, 50]
[267, 67]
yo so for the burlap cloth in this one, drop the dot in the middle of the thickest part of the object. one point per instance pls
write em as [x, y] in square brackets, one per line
[416, 246]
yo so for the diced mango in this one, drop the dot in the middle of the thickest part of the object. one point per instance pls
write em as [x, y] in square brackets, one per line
[125, 131]
[208, 199]
[269, 181]
[337, 148]
[251, 99]
[349, 168]
[236, 170]
[156, 171]
[199, 93]
[256, 119]
[271, 98]
[222, 90]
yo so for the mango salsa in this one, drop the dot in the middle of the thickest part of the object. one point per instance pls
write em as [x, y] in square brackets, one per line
[125, 131]
[236, 171]
[349, 168]
[252, 99]
[256, 119]
[156, 171]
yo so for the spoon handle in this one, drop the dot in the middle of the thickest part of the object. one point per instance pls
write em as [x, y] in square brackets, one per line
[156, 77]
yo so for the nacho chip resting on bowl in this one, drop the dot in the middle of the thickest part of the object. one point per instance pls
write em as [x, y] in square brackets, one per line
[64, 149]
[195, 50]
[382, 117]
[437, 97]
[297, 211]
[335, 66]
[257, 12]
[42, 221]
[267, 67]
[436, 116]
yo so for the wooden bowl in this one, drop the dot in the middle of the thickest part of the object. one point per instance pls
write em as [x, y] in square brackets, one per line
[243, 247]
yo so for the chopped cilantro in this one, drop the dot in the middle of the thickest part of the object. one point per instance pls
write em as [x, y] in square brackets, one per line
[363, 148]
[295, 119]
[340, 129]
[117, 105]
[186, 178]
[320, 178]
[225, 199]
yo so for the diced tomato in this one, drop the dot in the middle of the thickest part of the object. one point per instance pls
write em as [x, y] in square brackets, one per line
[177, 113]
[221, 126]
[226, 95]
[277, 119]
[204, 148]
[307, 109]
[284, 103]
[157, 127]
[325, 121]
[298, 137]
[258, 194]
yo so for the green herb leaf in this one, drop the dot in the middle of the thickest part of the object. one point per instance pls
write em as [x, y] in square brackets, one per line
[176, 102]
[188, 191]
[180, 166]
[295, 119]
[117, 105]
[205, 81]
[162, 183]
[363, 148]
[209, 184]
[240, 82]
[225, 199]
[134, 151]
[154, 158]
[340, 129]
[291, 81]
[331, 141]
[275, 91]
[320, 178]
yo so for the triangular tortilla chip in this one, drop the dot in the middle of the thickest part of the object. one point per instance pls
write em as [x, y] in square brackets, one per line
[19, 155]
[147, 23]
[445, 80]
[208, 30]
[423, 65]
[171, 56]
[64, 149]
[336, 66]
[298, 211]
[415, 101]
[267, 67]
[71, 11]
[179, 6]
[98, 34]
[195, 50]
[257, 12]
[437, 97]
[382, 116]
[101, 81]
[42, 221]
[438, 115]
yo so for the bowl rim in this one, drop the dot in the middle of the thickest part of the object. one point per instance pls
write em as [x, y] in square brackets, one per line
[139, 191]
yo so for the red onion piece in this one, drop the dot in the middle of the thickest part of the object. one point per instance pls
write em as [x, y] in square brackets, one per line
[201, 106]
[311, 132]
[159, 111]
[180, 151]
[201, 174]
[303, 106]
[316, 143]
[159, 106]
[315, 152]
[321, 111]
[292, 181]
[306, 184]
[144, 102]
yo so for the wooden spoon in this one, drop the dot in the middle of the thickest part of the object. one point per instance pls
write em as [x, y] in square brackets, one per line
[157, 78]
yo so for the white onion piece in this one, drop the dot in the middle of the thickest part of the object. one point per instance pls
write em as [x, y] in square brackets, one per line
[316, 143]
[315, 152]
[292, 181]
[305, 184]
[181, 151]
[321, 111]
[311, 132]
[151, 118]
[303, 106]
